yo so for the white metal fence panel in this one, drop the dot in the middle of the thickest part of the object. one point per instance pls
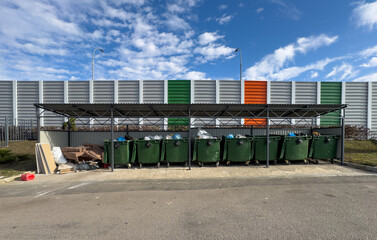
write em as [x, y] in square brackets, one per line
[357, 101]
[6, 100]
[204, 92]
[53, 92]
[153, 92]
[128, 92]
[374, 110]
[230, 92]
[306, 92]
[27, 95]
[103, 91]
[281, 92]
[78, 91]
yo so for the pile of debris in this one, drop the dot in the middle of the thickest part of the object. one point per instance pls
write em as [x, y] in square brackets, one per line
[68, 159]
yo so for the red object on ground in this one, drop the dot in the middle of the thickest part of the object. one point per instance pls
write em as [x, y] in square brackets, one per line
[106, 165]
[27, 177]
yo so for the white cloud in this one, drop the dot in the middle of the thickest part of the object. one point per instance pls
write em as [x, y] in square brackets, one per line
[194, 75]
[314, 75]
[208, 37]
[175, 8]
[344, 72]
[214, 51]
[369, 77]
[259, 10]
[223, 7]
[372, 63]
[273, 63]
[366, 15]
[369, 51]
[224, 19]
[288, 9]
[292, 72]
[176, 23]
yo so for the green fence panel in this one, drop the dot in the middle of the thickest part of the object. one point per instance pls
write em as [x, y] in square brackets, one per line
[179, 91]
[331, 93]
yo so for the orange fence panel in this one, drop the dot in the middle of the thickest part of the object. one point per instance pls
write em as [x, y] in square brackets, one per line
[255, 93]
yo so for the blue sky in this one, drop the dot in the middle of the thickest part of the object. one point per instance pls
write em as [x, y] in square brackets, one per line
[281, 40]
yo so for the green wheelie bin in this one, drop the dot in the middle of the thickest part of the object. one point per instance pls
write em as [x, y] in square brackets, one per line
[260, 148]
[148, 151]
[174, 151]
[295, 148]
[238, 150]
[324, 147]
[207, 151]
[124, 152]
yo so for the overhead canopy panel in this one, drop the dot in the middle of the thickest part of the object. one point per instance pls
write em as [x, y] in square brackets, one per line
[152, 110]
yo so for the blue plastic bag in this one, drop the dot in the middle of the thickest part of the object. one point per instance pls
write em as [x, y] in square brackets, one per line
[121, 139]
[230, 136]
[291, 134]
[177, 136]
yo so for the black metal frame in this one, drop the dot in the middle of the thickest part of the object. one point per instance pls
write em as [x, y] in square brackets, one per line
[269, 112]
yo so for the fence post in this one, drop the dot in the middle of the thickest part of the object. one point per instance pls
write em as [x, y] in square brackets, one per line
[6, 132]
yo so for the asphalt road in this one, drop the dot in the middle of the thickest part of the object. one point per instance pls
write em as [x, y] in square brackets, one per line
[287, 208]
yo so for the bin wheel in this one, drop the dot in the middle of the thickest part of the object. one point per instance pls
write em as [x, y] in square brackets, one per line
[227, 163]
[275, 162]
[247, 163]
[306, 161]
[186, 164]
[256, 162]
[158, 165]
[316, 161]
[287, 162]
[167, 164]
[140, 165]
[217, 164]
[129, 165]
[200, 164]
[332, 161]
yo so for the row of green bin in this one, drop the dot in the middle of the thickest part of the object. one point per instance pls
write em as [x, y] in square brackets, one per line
[287, 148]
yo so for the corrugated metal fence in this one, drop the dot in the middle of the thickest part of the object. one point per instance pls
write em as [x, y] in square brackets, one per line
[17, 97]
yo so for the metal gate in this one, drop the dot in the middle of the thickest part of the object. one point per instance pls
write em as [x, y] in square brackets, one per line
[9, 132]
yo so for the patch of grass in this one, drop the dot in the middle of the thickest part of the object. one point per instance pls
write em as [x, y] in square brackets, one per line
[361, 152]
[19, 157]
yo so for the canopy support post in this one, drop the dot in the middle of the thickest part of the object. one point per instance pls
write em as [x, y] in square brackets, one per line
[112, 138]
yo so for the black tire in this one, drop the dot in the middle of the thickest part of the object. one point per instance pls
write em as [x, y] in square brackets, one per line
[167, 164]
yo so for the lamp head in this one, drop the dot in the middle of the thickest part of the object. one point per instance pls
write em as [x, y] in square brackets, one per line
[101, 50]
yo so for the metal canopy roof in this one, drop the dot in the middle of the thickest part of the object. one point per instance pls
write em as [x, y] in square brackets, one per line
[158, 110]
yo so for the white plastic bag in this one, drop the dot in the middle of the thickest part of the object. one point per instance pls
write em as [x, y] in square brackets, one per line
[58, 155]
[203, 134]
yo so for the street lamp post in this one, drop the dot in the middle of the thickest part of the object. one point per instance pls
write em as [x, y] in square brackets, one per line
[239, 50]
[93, 61]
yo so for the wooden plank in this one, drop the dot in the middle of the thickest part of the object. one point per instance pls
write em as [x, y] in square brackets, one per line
[36, 159]
[49, 157]
[42, 160]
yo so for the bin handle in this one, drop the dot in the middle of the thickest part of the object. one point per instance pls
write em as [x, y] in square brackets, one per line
[133, 156]
[194, 153]
[251, 152]
[282, 153]
[162, 157]
[225, 150]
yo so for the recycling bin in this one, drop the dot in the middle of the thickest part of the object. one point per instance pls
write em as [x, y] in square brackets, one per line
[295, 148]
[174, 151]
[324, 147]
[238, 150]
[207, 151]
[124, 152]
[260, 148]
[148, 151]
